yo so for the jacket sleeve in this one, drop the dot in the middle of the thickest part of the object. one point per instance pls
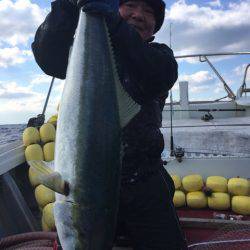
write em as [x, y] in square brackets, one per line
[153, 64]
[54, 38]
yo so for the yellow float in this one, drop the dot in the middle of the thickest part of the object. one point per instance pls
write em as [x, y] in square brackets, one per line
[48, 151]
[47, 132]
[177, 181]
[196, 199]
[34, 152]
[217, 184]
[53, 119]
[179, 199]
[241, 205]
[33, 177]
[238, 186]
[219, 201]
[31, 136]
[45, 226]
[44, 195]
[48, 216]
[192, 183]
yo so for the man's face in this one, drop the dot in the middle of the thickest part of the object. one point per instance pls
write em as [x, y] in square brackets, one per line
[140, 15]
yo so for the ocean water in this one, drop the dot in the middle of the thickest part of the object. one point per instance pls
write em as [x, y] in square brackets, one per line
[11, 132]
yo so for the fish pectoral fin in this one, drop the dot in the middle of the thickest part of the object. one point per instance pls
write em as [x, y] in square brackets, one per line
[128, 108]
[49, 178]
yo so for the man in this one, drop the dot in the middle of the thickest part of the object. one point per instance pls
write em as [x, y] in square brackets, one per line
[147, 71]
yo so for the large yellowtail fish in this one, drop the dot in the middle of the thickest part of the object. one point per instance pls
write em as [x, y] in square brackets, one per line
[93, 111]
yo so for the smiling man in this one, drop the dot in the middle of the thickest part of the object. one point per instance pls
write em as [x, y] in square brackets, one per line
[147, 71]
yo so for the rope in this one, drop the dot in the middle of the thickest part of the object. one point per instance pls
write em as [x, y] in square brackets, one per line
[33, 239]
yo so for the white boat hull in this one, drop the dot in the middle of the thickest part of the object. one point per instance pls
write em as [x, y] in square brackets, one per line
[227, 166]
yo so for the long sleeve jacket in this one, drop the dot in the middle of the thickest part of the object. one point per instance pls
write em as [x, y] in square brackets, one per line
[147, 71]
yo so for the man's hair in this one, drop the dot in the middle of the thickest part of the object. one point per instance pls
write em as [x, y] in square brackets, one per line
[159, 11]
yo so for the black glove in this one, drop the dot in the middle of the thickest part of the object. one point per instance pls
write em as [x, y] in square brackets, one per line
[97, 6]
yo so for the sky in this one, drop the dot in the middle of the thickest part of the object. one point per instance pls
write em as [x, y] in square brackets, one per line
[198, 26]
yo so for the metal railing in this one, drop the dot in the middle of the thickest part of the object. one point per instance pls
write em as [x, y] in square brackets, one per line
[203, 58]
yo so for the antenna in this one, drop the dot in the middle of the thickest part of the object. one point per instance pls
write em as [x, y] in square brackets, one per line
[171, 125]
[170, 36]
[171, 103]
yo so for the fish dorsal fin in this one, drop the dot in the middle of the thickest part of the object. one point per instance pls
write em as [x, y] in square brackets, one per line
[49, 178]
[128, 108]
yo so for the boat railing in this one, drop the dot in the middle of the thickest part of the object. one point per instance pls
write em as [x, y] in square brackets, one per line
[204, 58]
[243, 88]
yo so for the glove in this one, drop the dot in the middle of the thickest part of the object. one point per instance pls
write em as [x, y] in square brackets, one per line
[97, 6]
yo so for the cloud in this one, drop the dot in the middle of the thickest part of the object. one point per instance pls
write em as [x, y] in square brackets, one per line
[240, 71]
[200, 77]
[13, 56]
[198, 29]
[13, 91]
[215, 3]
[19, 20]
[203, 85]
[16, 98]
[41, 79]
[59, 86]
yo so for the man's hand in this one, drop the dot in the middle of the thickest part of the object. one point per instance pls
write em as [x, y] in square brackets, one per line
[97, 6]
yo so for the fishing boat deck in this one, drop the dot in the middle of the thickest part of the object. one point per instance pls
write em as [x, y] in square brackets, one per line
[220, 135]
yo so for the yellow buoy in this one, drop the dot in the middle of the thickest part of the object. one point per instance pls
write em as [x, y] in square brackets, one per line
[177, 181]
[31, 136]
[238, 186]
[192, 183]
[48, 151]
[179, 199]
[34, 177]
[48, 216]
[44, 195]
[219, 201]
[241, 205]
[34, 152]
[196, 199]
[53, 119]
[217, 184]
[45, 226]
[47, 132]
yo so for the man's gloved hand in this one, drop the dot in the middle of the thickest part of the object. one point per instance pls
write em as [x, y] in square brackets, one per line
[97, 6]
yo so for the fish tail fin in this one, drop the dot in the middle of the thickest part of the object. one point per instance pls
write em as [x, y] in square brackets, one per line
[49, 178]
[128, 108]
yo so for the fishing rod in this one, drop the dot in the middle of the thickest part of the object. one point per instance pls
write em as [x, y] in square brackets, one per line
[39, 120]
[208, 125]
[206, 110]
[48, 95]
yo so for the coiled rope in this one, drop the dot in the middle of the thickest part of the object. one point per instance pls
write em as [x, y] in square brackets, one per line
[30, 241]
